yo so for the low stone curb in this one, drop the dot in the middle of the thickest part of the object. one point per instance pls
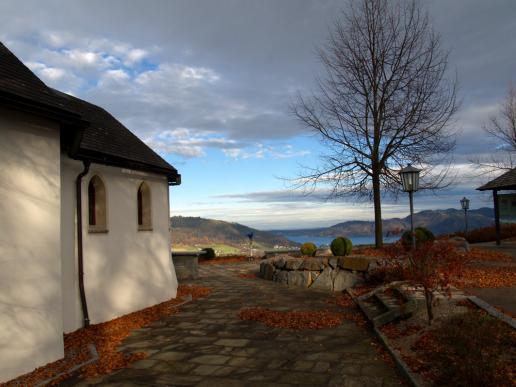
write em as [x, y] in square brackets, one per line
[94, 357]
[493, 311]
[95, 354]
[400, 363]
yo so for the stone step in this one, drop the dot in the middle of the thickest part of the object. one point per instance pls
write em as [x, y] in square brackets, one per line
[372, 307]
[382, 308]
[390, 301]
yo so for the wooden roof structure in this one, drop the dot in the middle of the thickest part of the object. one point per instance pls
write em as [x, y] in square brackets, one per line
[503, 182]
[506, 181]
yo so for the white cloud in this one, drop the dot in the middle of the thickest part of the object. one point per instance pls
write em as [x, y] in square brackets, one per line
[56, 39]
[135, 55]
[82, 58]
[184, 142]
[260, 151]
[199, 73]
[54, 75]
[233, 153]
[178, 108]
[114, 80]
[178, 148]
[174, 74]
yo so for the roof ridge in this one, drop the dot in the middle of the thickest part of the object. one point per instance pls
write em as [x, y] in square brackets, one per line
[505, 180]
[33, 77]
[105, 139]
[18, 80]
[97, 107]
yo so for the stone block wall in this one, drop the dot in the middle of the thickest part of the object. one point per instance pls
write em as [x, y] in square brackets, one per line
[186, 265]
[325, 273]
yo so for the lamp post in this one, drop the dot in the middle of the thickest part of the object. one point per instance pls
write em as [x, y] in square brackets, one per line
[250, 236]
[410, 181]
[464, 203]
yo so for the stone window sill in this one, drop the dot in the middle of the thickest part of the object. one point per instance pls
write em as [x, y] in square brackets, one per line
[98, 230]
[144, 228]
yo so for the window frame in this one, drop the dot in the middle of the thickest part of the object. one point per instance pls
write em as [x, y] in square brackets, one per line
[97, 205]
[144, 207]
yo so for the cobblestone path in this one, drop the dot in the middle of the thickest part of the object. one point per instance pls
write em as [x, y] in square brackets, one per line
[207, 345]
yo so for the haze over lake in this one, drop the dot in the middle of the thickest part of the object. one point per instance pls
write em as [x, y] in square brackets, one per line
[326, 240]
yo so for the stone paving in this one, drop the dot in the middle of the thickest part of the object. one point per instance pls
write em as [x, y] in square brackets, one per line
[504, 298]
[206, 344]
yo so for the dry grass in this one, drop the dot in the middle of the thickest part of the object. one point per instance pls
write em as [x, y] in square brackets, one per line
[295, 320]
[464, 346]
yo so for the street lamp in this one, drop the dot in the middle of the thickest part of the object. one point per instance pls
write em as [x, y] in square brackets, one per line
[250, 236]
[464, 203]
[410, 180]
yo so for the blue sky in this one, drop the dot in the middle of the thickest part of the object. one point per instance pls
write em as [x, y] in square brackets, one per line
[208, 84]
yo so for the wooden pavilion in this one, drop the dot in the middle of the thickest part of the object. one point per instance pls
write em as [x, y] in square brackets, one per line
[505, 182]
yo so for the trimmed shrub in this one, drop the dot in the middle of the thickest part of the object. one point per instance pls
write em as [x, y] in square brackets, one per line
[209, 253]
[423, 235]
[341, 246]
[309, 249]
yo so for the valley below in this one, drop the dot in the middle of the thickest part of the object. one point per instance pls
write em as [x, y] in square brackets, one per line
[194, 233]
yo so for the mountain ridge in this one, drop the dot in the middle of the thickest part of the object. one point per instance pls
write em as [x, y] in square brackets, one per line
[202, 232]
[438, 221]
[197, 232]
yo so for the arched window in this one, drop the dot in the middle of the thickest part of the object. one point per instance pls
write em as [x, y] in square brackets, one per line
[97, 209]
[144, 207]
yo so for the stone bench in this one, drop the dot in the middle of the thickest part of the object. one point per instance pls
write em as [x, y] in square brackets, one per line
[326, 273]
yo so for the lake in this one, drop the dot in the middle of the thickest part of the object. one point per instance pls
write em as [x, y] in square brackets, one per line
[326, 240]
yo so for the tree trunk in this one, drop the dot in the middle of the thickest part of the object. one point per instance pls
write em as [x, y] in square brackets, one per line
[378, 232]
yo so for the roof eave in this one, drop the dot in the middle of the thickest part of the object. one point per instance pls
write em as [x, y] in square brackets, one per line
[62, 116]
[173, 177]
[497, 188]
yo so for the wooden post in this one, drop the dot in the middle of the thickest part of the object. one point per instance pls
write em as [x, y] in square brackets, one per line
[497, 216]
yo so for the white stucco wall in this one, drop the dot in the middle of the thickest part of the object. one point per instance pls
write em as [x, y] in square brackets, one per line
[125, 269]
[30, 293]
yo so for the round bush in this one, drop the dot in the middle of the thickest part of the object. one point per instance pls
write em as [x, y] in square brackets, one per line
[209, 253]
[423, 235]
[308, 249]
[341, 246]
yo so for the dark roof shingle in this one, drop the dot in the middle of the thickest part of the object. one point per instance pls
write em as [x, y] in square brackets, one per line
[108, 136]
[19, 80]
[104, 138]
[505, 181]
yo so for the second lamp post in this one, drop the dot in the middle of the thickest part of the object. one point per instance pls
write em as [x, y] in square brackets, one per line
[410, 180]
[464, 203]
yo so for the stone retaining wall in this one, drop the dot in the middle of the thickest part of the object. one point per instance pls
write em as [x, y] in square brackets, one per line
[186, 264]
[326, 273]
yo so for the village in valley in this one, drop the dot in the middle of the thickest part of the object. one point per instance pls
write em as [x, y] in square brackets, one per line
[236, 193]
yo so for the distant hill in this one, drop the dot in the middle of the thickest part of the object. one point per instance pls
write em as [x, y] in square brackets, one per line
[438, 221]
[199, 232]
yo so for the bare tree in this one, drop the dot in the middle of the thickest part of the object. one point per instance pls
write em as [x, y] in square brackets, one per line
[502, 128]
[384, 102]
